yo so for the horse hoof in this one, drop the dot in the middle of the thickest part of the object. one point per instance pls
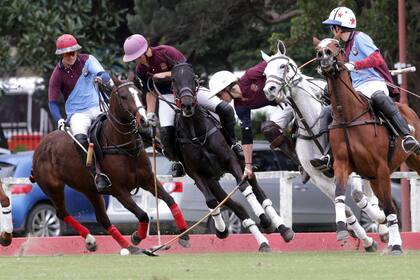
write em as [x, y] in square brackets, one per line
[395, 250]
[184, 241]
[135, 240]
[222, 234]
[264, 248]
[5, 239]
[384, 237]
[342, 235]
[287, 233]
[265, 222]
[91, 243]
[372, 248]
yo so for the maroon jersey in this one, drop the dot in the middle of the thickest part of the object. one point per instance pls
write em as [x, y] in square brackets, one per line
[158, 63]
[252, 88]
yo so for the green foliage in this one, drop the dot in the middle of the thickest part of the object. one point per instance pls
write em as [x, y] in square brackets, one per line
[224, 34]
[30, 28]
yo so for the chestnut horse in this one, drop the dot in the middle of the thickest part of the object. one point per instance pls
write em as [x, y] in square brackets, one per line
[57, 162]
[360, 142]
[6, 219]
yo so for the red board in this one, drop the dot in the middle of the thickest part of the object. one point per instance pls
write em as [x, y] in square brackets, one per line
[73, 245]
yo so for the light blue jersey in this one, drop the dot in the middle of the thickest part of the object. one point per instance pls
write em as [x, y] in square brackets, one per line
[362, 47]
[84, 95]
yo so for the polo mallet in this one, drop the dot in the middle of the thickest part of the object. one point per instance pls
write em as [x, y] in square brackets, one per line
[156, 192]
[157, 248]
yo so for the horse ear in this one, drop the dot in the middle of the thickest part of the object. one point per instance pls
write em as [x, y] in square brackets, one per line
[115, 79]
[265, 56]
[281, 46]
[315, 41]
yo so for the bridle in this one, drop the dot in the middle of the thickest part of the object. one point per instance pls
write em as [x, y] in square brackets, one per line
[185, 91]
[114, 121]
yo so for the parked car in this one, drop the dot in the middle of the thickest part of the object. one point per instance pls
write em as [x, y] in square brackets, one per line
[32, 211]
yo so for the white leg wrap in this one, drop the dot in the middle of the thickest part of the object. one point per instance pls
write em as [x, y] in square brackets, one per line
[218, 220]
[371, 210]
[340, 209]
[252, 199]
[6, 219]
[276, 220]
[383, 229]
[360, 232]
[394, 233]
[250, 225]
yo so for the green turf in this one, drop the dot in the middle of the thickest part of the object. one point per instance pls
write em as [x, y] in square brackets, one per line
[322, 265]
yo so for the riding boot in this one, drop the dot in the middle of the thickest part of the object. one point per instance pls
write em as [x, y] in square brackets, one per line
[325, 162]
[273, 133]
[102, 181]
[227, 119]
[167, 137]
[384, 104]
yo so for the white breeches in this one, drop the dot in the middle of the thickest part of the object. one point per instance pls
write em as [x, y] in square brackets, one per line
[282, 117]
[80, 122]
[167, 114]
[370, 87]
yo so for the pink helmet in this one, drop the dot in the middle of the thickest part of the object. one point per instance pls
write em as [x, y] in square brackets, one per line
[66, 43]
[134, 47]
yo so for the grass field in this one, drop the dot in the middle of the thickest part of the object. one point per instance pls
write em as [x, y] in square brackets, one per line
[313, 266]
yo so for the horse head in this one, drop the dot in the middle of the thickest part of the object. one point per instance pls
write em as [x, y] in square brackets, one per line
[281, 73]
[184, 86]
[330, 56]
[125, 104]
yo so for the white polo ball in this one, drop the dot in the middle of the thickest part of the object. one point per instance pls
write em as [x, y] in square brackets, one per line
[124, 252]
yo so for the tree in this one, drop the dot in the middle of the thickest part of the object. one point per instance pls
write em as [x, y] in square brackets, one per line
[29, 30]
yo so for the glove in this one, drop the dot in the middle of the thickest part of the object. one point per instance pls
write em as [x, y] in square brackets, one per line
[98, 80]
[61, 124]
[350, 66]
[152, 119]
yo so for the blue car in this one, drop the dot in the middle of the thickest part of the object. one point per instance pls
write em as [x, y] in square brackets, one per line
[33, 213]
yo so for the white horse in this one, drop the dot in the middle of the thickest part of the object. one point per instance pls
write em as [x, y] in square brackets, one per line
[285, 83]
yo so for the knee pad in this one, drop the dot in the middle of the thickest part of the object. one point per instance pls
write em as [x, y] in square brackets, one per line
[271, 130]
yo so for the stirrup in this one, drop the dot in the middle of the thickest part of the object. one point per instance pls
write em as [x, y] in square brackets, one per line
[102, 182]
[410, 147]
[177, 169]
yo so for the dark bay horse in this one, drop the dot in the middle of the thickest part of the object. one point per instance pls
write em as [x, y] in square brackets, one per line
[6, 219]
[360, 143]
[207, 156]
[57, 162]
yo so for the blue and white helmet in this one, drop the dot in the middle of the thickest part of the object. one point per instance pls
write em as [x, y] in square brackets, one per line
[341, 16]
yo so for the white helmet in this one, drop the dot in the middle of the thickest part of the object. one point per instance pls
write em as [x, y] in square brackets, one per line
[220, 80]
[341, 16]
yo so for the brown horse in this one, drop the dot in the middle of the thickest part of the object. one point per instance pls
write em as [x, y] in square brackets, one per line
[57, 162]
[6, 221]
[360, 142]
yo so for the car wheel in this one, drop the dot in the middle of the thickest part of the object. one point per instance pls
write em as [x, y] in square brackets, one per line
[43, 221]
[233, 223]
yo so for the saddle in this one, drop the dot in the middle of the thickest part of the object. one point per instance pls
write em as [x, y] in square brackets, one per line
[94, 133]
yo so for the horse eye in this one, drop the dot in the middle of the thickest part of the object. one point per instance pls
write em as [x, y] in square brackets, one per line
[282, 66]
[319, 54]
[123, 97]
[328, 52]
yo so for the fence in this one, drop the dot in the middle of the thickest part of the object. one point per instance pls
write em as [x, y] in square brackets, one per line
[285, 181]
